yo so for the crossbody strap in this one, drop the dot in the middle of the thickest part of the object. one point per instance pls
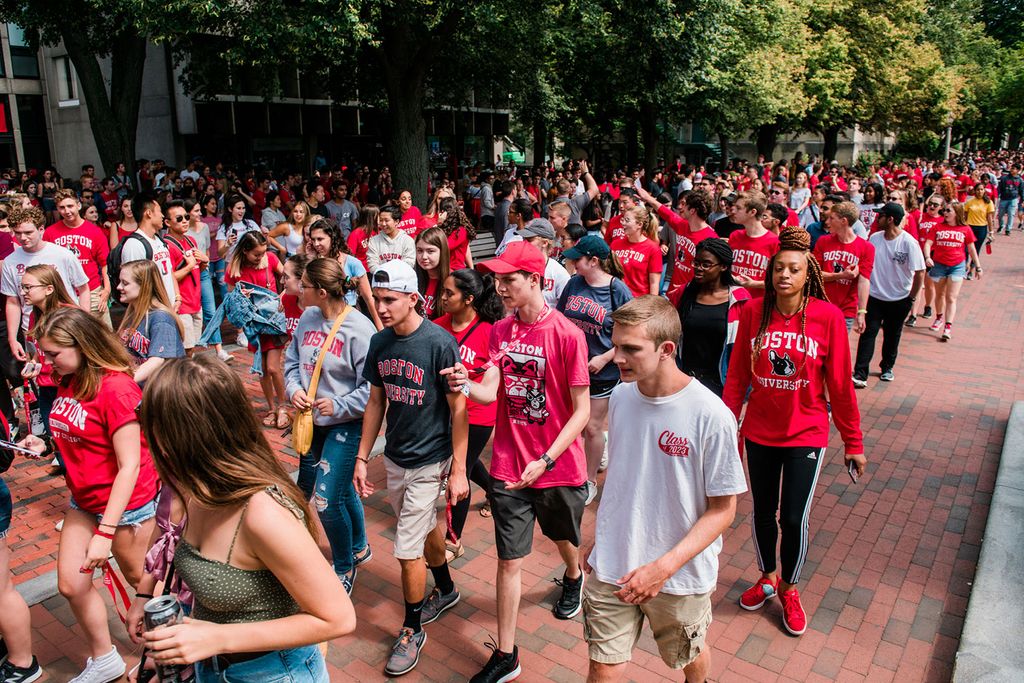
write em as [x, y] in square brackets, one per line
[315, 379]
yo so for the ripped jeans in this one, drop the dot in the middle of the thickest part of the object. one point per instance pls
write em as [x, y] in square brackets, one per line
[325, 473]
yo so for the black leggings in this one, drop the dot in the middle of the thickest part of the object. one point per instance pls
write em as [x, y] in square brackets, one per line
[798, 468]
[478, 438]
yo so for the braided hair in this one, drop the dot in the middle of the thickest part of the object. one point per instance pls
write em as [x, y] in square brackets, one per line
[790, 239]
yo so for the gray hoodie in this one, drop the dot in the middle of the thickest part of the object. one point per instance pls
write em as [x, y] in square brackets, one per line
[341, 377]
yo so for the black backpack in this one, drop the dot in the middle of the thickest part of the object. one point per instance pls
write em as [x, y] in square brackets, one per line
[114, 260]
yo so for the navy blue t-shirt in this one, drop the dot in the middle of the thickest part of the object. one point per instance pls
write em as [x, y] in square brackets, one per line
[157, 337]
[590, 309]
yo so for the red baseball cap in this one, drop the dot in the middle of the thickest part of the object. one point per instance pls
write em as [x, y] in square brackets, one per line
[517, 256]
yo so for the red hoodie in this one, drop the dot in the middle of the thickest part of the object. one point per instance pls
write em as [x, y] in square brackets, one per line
[787, 405]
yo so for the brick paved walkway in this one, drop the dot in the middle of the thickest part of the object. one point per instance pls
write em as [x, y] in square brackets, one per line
[889, 569]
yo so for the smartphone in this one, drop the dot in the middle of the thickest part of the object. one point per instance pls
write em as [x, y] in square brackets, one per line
[851, 468]
[15, 447]
[637, 184]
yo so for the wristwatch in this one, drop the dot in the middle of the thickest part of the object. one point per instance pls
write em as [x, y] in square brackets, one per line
[549, 464]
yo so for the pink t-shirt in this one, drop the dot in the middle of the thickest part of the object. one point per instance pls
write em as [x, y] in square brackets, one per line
[834, 257]
[84, 433]
[750, 256]
[534, 398]
[87, 242]
[639, 260]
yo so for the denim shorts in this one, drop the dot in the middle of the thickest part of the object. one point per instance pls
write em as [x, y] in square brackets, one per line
[141, 514]
[955, 273]
[5, 509]
[297, 665]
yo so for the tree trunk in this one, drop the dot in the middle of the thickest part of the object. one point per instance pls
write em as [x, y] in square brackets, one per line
[767, 138]
[113, 116]
[649, 135]
[831, 135]
[540, 139]
[404, 65]
[632, 153]
[723, 143]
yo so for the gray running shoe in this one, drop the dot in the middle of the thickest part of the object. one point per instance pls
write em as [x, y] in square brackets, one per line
[405, 653]
[436, 604]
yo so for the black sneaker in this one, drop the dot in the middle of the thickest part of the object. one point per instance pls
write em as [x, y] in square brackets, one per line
[500, 668]
[927, 312]
[571, 600]
[3, 651]
[16, 674]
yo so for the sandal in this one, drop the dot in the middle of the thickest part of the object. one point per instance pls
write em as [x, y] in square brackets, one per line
[485, 510]
[270, 420]
[453, 551]
[283, 418]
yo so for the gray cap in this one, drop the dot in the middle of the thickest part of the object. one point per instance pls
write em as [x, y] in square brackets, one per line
[538, 227]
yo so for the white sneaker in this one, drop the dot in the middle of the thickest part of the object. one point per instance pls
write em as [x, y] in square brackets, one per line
[241, 339]
[225, 356]
[59, 526]
[604, 455]
[591, 492]
[106, 669]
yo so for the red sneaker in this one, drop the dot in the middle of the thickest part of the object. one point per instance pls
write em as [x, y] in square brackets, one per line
[793, 616]
[758, 594]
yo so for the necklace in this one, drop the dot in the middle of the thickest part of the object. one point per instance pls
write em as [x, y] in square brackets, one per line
[787, 319]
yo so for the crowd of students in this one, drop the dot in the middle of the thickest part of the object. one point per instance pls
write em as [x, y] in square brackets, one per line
[662, 330]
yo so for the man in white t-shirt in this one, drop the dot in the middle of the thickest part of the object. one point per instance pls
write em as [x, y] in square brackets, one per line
[673, 476]
[896, 279]
[27, 226]
[540, 233]
[147, 212]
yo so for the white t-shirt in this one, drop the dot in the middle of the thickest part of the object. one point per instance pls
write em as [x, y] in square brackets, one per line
[66, 263]
[134, 250]
[666, 455]
[236, 229]
[896, 261]
[555, 279]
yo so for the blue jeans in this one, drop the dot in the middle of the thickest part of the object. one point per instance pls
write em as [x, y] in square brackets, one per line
[1007, 207]
[209, 304]
[326, 474]
[297, 665]
[218, 276]
[6, 506]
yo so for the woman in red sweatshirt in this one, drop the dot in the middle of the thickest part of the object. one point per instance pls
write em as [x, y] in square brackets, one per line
[788, 352]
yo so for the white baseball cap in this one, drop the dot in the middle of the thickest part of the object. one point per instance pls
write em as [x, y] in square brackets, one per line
[397, 275]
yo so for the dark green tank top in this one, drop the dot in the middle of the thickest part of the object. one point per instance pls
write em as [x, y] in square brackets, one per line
[229, 595]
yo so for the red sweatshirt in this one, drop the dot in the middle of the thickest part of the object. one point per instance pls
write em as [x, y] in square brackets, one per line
[787, 395]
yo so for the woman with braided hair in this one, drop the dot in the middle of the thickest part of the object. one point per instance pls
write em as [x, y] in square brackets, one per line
[788, 353]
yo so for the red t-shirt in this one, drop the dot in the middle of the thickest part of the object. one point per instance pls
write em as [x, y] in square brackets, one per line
[926, 229]
[686, 250]
[87, 242]
[411, 222]
[792, 219]
[639, 260]
[190, 286]
[534, 397]
[787, 404]
[615, 230]
[84, 432]
[292, 312]
[264, 277]
[111, 203]
[834, 257]
[750, 256]
[473, 352]
[949, 244]
[431, 299]
[358, 242]
[458, 245]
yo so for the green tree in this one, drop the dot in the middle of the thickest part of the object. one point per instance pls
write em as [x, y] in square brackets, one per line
[91, 32]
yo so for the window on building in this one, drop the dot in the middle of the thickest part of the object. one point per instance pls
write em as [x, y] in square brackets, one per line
[67, 87]
[23, 57]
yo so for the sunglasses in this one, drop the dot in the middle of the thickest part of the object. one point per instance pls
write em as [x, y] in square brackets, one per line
[180, 219]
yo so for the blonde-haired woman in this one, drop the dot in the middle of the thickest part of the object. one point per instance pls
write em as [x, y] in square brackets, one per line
[110, 475]
[264, 595]
[639, 252]
[150, 330]
[293, 233]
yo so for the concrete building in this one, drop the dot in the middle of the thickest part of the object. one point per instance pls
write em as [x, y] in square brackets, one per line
[24, 142]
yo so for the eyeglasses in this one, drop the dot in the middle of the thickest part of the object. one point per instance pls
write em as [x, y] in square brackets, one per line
[29, 288]
[705, 265]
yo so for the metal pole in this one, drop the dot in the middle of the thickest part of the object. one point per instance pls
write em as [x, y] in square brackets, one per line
[949, 140]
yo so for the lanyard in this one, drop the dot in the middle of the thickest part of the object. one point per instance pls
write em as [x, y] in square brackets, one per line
[517, 338]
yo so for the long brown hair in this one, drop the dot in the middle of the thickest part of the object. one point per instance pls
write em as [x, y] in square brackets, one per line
[218, 463]
[790, 239]
[49, 277]
[101, 351]
[152, 296]
[435, 237]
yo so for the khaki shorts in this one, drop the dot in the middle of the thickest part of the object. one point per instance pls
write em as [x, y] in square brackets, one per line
[612, 627]
[193, 324]
[413, 496]
[94, 306]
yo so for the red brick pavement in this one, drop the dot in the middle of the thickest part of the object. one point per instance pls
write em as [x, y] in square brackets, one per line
[889, 568]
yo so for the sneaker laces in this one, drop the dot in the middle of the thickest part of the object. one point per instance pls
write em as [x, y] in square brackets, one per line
[791, 603]
[404, 640]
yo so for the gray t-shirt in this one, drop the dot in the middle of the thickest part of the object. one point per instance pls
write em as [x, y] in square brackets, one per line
[343, 214]
[419, 430]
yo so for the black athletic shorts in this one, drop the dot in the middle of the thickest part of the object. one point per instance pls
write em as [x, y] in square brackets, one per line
[558, 510]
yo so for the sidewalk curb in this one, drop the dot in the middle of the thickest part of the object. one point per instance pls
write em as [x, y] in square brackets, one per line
[43, 587]
[995, 613]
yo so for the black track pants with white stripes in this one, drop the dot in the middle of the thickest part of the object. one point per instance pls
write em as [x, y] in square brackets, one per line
[798, 468]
